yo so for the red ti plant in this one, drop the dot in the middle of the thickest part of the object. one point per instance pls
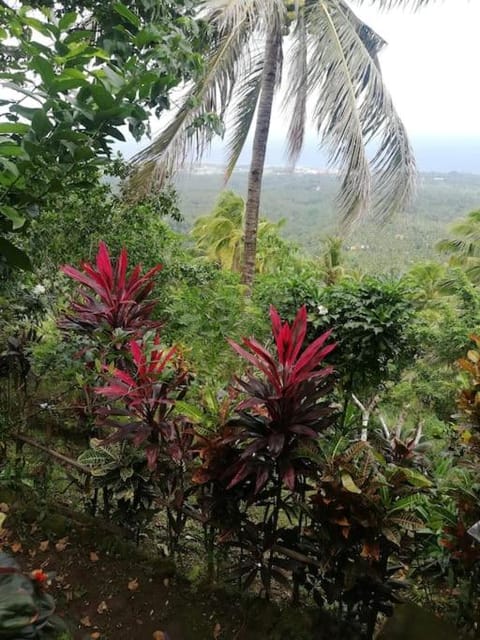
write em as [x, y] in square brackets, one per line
[285, 407]
[146, 396]
[109, 297]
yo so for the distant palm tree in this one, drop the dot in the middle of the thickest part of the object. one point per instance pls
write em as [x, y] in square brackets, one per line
[331, 60]
[428, 283]
[464, 247]
[220, 235]
[332, 265]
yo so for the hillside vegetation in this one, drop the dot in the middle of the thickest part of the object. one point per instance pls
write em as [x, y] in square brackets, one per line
[307, 202]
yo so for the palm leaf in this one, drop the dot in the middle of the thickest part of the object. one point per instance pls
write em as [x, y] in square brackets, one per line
[245, 99]
[181, 139]
[353, 111]
[393, 4]
[297, 89]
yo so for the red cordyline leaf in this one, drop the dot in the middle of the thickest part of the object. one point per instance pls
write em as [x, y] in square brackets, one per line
[288, 339]
[291, 367]
[285, 406]
[117, 301]
[145, 398]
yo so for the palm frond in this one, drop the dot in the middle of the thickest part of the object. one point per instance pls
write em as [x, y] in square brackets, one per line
[355, 114]
[297, 89]
[181, 139]
[394, 4]
[245, 100]
[227, 14]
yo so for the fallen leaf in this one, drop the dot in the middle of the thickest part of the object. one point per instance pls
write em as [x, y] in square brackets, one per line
[95, 635]
[217, 630]
[85, 621]
[102, 607]
[16, 547]
[3, 517]
[44, 545]
[33, 528]
[93, 557]
[133, 585]
[166, 582]
[159, 635]
[32, 553]
[4, 508]
[62, 544]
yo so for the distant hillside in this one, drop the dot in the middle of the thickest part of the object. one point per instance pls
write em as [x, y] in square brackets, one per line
[307, 201]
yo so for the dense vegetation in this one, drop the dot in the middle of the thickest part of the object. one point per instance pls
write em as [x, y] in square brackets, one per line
[307, 203]
[312, 447]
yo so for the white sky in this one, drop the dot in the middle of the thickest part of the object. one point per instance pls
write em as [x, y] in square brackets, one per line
[431, 66]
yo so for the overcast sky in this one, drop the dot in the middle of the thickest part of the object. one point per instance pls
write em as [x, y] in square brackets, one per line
[431, 66]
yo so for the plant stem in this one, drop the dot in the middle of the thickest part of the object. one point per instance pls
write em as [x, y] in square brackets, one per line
[276, 513]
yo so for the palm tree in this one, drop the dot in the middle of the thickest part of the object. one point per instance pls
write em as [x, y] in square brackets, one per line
[428, 284]
[331, 61]
[220, 235]
[332, 265]
[464, 247]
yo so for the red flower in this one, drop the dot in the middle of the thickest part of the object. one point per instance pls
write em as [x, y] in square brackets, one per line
[40, 577]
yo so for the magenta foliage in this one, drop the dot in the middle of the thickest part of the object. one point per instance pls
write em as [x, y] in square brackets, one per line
[143, 399]
[109, 297]
[285, 406]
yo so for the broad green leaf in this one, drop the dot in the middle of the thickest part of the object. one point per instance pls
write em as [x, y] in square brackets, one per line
[77, 35]
[125, 12]
[14, 256]
[38, 25]
[41, 124]
[114, 133]
[9, 166]
[63, 85]
[12, 214]
[25, 112]
[10, 149]
[114, 78]
[44, 68]
[67, 21]
[102, 97]
[416, 478]
[13, 127]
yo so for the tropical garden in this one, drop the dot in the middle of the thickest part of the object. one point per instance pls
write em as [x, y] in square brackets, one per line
[211, 433]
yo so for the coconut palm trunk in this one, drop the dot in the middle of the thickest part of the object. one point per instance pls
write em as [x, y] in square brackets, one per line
[259, 150]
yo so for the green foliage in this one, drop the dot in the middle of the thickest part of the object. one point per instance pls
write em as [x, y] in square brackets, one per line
[83, 81]
[220, 236]
[120, 472]
[202, 305]
[371, 323]
[70, 229]
[464, 247]
[295, 284]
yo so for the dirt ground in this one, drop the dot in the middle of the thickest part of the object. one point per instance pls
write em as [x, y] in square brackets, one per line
[107, 594]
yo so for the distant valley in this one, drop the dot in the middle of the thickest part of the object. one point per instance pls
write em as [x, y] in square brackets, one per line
[306, 199]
